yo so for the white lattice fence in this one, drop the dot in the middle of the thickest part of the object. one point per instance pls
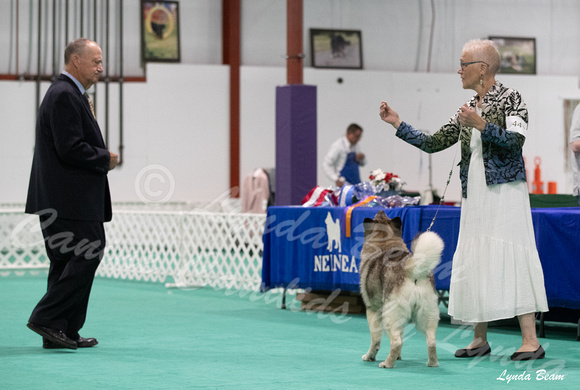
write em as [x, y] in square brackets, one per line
[142, 246]
[222, 250]
[21, 243]
[193, 248]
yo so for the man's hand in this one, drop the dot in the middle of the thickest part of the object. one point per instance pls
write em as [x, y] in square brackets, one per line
[113, 161]
[359, 157]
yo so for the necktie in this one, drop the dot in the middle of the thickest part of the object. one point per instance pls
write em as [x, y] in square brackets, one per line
[91, 104]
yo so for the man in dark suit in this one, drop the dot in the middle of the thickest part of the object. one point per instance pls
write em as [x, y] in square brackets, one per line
[69, 190]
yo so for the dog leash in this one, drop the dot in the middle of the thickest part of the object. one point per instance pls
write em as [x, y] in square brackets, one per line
[448, 181]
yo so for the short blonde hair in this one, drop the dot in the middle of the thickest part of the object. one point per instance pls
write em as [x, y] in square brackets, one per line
[486, 51]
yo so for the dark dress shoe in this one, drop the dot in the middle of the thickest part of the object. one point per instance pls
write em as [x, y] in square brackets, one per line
[484, 350]
[81, 343]
[53, 335]
[86, 343]
[537, 354]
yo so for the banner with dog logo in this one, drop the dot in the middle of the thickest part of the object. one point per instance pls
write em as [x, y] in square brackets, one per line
[319, 249]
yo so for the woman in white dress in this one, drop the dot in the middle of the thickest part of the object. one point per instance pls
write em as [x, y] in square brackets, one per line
[496, 268]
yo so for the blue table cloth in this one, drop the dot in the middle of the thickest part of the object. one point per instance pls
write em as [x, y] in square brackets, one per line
[309, 247]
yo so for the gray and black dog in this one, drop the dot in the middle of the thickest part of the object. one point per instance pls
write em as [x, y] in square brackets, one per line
[398, 287]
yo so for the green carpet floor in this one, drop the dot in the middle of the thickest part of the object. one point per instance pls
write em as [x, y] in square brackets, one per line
[151, 337]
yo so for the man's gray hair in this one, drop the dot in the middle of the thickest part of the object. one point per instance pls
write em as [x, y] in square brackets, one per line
[78, 46]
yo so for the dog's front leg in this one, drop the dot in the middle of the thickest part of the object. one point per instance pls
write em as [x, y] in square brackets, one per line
[374, 320]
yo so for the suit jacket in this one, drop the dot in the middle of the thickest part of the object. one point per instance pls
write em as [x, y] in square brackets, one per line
[71, 161]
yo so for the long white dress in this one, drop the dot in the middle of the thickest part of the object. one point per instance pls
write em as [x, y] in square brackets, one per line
[496, 272]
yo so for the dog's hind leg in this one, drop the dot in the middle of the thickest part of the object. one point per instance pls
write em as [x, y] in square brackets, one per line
[374, 320]
[427, 321]
[431, 347]
[396, 339]
[400, 357]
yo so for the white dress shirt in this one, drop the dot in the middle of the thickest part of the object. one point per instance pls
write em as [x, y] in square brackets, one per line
[336, 158]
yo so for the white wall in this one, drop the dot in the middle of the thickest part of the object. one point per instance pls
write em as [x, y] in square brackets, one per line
[175, 132]
[17, 120]
[178, 121]
[424, 100]
[176, 127]
[395, 33]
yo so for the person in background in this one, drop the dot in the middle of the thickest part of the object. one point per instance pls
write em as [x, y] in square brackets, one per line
[575, 148]
[342, 162]
[496, 271]
[69, 190]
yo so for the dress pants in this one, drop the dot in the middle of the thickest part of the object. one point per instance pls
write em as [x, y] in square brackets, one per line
[75, 249]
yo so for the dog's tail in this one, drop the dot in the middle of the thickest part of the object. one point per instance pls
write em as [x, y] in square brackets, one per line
[427, 249]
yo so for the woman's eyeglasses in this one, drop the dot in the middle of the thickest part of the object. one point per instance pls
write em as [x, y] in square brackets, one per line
[465, 64]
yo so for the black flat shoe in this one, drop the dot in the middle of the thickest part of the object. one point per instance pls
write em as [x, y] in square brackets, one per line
[81, 343]
[484, 350]
[537, 354]
[53, 335]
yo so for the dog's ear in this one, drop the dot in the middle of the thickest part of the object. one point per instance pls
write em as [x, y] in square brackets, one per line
[396, 223]
[368, 224]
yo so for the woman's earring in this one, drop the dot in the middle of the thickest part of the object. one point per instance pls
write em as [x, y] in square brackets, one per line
[481, 80]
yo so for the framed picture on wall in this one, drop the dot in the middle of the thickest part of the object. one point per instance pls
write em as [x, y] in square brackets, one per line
[518, 55]
[160, 31]
[336, 48]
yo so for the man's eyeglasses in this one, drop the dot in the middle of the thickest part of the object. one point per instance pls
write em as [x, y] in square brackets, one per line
[465, 64]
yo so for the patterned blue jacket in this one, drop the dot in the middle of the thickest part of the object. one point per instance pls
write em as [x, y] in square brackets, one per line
[502, 140]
